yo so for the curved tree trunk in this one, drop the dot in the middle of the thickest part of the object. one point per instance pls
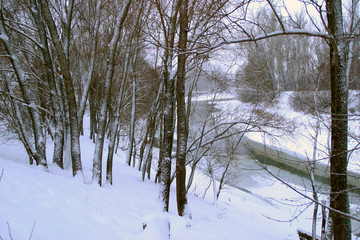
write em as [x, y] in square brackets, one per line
[36, 119]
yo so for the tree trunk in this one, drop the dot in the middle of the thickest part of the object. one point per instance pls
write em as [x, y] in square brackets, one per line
[40, 156]
[323, 222]
[133, 109]
[213, 180]
[69, 87]
[50, 75]
[161, 144]
[223, 175]
[169, 85]
[313, 163]
[151, 125]
[84, 97]
[21, 130]
[99, 145]
[168, 131]
[114, 126]
[339, 122]
[182, 124]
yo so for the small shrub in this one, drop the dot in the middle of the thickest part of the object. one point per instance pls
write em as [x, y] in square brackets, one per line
[304, 101]
[254, 97]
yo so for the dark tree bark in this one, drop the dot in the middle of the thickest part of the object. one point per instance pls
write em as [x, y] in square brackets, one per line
[29, 98]
[62, 56]
[182, 124]
[339, 122]
[168, 131]
[169, 85]
[50, 75]
[115, 123]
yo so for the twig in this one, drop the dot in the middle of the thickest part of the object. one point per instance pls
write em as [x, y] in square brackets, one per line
[2, 173]
[305, 196]
[32, 230]
[9, 231]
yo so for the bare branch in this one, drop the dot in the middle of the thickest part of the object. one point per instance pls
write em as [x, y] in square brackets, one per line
[32, 230]
[304, 195]
[265, 36]
[276, 15]
[10, 231]
[2, 174]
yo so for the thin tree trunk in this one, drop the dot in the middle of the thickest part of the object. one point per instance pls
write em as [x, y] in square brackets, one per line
[86, 89]
[197, 158]
[133, 109]
[316, 205]
[40, 156]
[151, 124]
[148, 153]
[93, 118]
[134, 152]
[313, 163]
[168, 130]
[323, 222]
[18, 121]
[115, 124]
[148, 168]
[221, 183]
[213, 180]
[161, 145]
[99, 145]
[50, 75]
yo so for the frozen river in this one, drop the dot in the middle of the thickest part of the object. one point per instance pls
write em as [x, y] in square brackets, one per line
[256, 181]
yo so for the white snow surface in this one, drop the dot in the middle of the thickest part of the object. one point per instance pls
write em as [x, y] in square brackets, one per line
[40, 205]
[53, 205]
[300, 142]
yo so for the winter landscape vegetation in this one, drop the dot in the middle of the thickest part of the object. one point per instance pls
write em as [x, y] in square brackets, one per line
[180, 119]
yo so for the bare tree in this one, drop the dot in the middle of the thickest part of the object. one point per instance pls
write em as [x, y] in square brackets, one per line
[339, 50]
[182, 124]
[62, 52]
[97, 161]
[29, 98]
[91, 69]
[169, 88]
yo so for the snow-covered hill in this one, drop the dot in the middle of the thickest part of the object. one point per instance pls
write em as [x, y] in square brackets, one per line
[43, 205]
[40, 205]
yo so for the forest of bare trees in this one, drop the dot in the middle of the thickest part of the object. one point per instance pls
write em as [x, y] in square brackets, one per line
[122, 63]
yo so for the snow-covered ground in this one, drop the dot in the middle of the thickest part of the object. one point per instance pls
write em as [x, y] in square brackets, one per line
[300, 142]
[43, 205]
[52, 205]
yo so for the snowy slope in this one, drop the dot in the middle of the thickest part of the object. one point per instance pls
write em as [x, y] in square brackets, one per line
[53, 205]
[57, 206]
